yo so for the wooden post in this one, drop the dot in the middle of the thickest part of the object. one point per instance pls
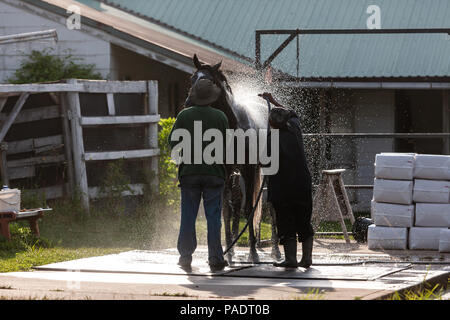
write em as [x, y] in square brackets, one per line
[152, 131]
[446, 120]
[110, 102]
[67, 143]
[3, 163]
[73, 102]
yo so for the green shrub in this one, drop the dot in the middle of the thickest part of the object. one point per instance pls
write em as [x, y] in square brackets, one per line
[168, 182]
[22, 239]
[114, 183]
[45, 67]
[31, 200]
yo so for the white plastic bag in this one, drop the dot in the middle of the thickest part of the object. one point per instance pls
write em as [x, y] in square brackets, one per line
[429, 166]
[9, 200]
[394, 166]
[421, 238]
[387, 238]
[392, 215]
[431, 191]
[393, 191]
[444, 240]
[432, 215]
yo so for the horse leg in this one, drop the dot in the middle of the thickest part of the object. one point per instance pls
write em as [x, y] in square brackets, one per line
[227, 213]
[248, 174]
[276, 254]
[235, 225]
[258, 236]
[253, 255]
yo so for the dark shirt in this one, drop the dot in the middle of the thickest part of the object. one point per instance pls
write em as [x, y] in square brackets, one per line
[211, 118]
[292, 182]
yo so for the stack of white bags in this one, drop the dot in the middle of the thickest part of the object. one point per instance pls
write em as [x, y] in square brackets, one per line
[411, 202]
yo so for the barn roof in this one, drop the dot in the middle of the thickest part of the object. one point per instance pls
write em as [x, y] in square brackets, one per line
[228, 26]
[165, 45]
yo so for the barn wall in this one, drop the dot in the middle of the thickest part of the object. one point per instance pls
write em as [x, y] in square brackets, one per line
[13, 20]
[173, 84]
[374, 111]
[355, 111]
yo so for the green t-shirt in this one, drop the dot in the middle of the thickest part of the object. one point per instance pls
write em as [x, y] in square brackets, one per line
[210, 118]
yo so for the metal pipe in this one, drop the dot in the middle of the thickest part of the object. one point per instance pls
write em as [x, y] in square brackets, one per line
[366, 85]
[354, 31]
[377, 135]
[29, 36]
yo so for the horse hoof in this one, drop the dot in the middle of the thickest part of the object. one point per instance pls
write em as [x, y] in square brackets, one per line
[253, 257]
[230, 258]
[276, 254]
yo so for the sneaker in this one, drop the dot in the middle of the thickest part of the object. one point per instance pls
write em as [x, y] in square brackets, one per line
[219, 266]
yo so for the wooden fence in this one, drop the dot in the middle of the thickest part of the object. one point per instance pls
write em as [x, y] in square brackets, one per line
[56, 131]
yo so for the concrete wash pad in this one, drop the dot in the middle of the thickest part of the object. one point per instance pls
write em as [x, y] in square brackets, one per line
[143, 274]
[165, 263]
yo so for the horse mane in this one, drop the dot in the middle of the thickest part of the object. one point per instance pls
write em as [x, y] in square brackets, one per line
[221, 78]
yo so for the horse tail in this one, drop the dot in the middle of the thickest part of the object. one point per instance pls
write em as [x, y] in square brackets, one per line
[258, 211]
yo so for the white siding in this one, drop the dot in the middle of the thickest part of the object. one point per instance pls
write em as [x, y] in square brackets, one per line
[13, 20]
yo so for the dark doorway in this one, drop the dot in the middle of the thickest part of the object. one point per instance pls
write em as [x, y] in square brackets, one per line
[418, 111]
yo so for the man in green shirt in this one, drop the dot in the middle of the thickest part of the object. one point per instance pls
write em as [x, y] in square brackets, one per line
[200, 177]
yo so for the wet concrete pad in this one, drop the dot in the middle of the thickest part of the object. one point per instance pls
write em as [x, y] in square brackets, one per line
[318, 272]
[136, 262]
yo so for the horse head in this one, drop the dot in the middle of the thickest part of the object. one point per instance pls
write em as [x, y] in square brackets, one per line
[220, 95]
[251, 114]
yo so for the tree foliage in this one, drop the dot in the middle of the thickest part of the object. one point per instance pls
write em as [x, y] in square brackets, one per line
[45, 67]
[167, 168]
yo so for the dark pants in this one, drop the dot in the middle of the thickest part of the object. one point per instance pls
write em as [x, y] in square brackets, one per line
[193, 188]
[293, 220]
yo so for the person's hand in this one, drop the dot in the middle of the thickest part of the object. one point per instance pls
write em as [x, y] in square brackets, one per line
[267, 95]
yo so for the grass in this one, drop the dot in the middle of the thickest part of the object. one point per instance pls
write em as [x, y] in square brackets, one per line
[424, 292]
[434, 293]
[67, 234]
[311, 294]
[25, 251]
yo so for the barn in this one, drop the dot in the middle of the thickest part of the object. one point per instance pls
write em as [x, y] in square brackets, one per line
[358, 94]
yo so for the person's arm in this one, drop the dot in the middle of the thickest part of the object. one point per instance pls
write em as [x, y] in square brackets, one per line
[268, 95]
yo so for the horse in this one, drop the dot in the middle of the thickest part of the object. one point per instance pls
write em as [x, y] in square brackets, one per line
[238, 117]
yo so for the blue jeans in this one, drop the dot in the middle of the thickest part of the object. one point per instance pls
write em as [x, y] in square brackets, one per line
[193, 188]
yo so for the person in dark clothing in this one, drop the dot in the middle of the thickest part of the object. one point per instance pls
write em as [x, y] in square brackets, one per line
[290, 189]
[199, 179]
